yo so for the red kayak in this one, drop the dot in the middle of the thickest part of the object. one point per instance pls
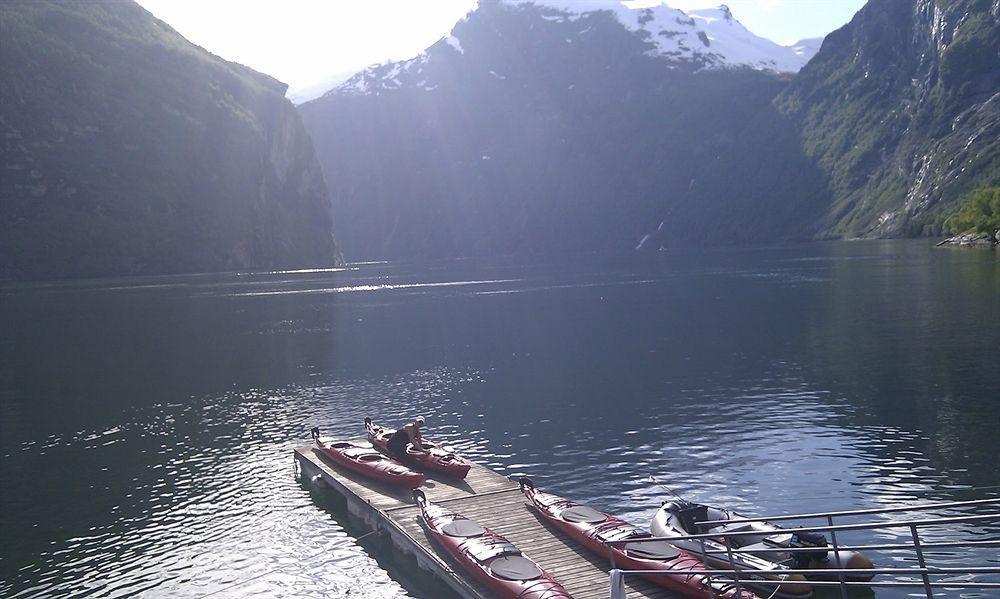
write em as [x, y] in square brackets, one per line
[367, 461]
[593, 529]
[435, 459]
[492, 559]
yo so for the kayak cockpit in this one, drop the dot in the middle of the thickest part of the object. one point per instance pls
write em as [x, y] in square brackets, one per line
[583, 514]
[515, 567]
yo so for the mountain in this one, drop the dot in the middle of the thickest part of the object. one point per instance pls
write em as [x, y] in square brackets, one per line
[129, 150]
[712, 38]
[901, 111]
[533, 129]
[734, 45]
[807, 48]
[315, 90]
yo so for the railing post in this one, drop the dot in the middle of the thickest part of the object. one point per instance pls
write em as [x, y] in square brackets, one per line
[617, 584]
[704, 560]
[836, 558]
[921, 562]
[732, 564]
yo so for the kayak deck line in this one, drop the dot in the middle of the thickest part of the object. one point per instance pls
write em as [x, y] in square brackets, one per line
[485, 496]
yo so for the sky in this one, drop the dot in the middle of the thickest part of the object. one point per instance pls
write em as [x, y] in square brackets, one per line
[784, 21]
[314, 44]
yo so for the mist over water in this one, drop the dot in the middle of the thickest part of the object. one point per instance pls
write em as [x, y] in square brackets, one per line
[147, 424]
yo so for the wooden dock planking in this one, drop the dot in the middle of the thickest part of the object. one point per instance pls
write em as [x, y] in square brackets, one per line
[490, 499]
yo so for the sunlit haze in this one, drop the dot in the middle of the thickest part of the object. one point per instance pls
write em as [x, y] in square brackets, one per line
[311, 45]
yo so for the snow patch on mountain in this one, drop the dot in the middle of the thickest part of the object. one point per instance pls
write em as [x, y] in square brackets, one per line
[386, 76]
[710, 36]
[452, 41]
[738, 46]
[706, 38]
[807, 48]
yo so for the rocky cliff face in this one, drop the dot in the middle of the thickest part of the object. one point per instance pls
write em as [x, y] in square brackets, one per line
[901, 110]
[128, 150]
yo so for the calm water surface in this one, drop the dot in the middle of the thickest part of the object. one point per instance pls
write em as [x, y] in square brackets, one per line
[147, 424]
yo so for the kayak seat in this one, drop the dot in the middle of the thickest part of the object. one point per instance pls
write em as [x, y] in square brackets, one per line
[658, 550]
[620, 532]
[582, 514]
[353, 451]
[368, 457]
[515, 567]
[463, 529]
[482, 548]
[689, 516]
[547, 500]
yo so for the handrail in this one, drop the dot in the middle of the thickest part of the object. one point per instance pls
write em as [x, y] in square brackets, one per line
[852, 547]
[912, 577]
[858, 526]
[786, 571]
[828, 583]
[926, 506]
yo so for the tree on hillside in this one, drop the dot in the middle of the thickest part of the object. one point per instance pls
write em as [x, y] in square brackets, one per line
[979, 213]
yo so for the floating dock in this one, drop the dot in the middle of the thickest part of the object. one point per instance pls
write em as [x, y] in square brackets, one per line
[490, 499]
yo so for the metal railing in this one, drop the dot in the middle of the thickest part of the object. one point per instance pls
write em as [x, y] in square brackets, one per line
[742, 576]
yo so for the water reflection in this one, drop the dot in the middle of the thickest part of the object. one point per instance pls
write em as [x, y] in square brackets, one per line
[147, 424]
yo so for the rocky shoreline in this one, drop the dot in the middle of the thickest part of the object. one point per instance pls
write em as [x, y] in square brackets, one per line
[969, 240]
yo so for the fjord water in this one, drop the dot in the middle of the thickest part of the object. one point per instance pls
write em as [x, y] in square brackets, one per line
[147, 425]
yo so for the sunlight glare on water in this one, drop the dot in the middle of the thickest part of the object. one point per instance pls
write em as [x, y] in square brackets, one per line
[148, 424]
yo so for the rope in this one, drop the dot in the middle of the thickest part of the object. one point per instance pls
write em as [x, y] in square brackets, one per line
[775, 591]
[369, 533]
[268, 573]
[242, 582]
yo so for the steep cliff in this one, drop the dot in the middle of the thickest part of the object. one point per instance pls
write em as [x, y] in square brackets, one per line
[901, 109]
[128, 150]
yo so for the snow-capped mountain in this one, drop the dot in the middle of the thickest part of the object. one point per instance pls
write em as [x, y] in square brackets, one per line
[701, 39]
[549, 127]
[732, 44]
[710, 36]
[531, 128]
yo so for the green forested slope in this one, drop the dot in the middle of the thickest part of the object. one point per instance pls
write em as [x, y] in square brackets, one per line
[129, 150]
[901, 111]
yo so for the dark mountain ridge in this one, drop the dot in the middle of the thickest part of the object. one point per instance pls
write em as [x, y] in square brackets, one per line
[531, 129]
[129, 150]
[527, 132]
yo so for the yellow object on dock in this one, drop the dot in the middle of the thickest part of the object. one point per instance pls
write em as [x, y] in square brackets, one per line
[490, 499]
